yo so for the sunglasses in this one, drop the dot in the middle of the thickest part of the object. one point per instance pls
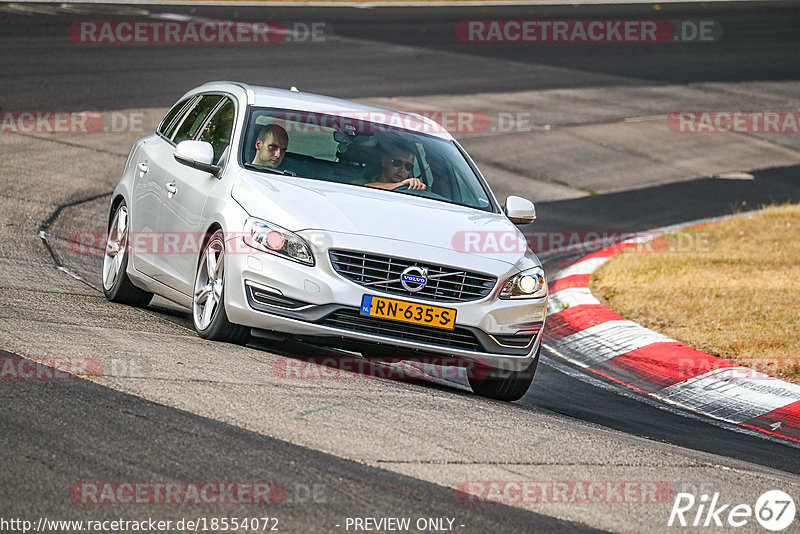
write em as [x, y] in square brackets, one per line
[399, 162]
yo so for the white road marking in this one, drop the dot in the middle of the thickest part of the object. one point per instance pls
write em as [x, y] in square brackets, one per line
[733, 394]
[582, 267]
[567, 298]
[604, 341]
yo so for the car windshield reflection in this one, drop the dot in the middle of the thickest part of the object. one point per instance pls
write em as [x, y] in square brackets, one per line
[399, 152]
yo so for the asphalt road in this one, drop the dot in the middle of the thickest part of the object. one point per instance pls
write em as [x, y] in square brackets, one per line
[75, 430]
[665, 205]
[39, 67]
[58, 432]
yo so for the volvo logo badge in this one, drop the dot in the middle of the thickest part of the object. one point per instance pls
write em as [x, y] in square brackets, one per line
[414, 278]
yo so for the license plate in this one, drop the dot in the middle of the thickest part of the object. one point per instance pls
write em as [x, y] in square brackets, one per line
[408, 312]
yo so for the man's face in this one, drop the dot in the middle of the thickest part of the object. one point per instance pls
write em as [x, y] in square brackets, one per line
[271, 150]
[398, 166]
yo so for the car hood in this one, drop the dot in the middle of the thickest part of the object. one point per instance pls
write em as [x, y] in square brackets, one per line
[300, 204]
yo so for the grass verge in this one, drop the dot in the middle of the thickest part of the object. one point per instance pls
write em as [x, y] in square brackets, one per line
[730, 289]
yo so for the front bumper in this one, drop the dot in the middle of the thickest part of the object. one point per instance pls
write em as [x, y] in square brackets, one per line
[266, 292]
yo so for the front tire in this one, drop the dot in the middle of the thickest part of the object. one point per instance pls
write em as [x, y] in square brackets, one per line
[503, 384]
[117, 287]
[208, 301]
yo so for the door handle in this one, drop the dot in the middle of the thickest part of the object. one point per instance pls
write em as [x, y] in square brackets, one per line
[143, 168]
[171, 189]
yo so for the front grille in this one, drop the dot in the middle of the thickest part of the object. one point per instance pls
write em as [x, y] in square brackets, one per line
[382, 273]
[458, 338]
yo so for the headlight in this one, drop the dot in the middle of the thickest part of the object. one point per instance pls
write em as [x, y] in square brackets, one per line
[271, 238]
[525, 285]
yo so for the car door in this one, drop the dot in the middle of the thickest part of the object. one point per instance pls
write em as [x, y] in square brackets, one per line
[147, 191]
[186, 192]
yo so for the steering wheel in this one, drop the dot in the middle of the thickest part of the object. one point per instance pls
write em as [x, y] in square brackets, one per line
[420, 193]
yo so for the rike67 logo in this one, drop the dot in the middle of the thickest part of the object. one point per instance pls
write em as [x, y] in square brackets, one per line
[774, 510]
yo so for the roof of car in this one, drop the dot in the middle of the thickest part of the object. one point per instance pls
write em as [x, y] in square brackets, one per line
[297, 100]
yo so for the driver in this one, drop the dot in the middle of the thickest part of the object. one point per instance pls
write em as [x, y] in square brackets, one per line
[271, 146]
[397, 164]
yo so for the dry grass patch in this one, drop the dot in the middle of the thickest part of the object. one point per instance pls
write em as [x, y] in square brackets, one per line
[730, 289]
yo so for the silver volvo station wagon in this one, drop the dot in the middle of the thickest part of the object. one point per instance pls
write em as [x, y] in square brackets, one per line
[281, 214]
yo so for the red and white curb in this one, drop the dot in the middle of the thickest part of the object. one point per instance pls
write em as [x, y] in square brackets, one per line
[583, 331]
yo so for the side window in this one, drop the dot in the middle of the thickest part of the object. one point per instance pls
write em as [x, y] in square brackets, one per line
[195, 118]
[167, 125]
[219, 129]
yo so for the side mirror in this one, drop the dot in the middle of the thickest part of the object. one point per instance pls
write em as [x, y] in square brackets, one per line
[197, 155]
[520, 210]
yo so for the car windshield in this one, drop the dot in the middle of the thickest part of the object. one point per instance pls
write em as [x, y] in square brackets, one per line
[360, 149]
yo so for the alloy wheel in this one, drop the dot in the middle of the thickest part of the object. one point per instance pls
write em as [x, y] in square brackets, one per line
[209, 284]
[116, 247]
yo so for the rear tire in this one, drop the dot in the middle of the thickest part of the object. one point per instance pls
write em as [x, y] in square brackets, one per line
[208, 301]
[502, 384]
[117, 287]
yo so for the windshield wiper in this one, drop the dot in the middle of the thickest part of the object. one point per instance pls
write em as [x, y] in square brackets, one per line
[268, 169]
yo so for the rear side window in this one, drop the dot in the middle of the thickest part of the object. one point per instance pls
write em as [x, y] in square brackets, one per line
[170, 121]
[195, 118]
[219, 128]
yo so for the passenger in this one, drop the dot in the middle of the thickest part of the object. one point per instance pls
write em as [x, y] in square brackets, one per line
[397, 164]
[271, 146]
